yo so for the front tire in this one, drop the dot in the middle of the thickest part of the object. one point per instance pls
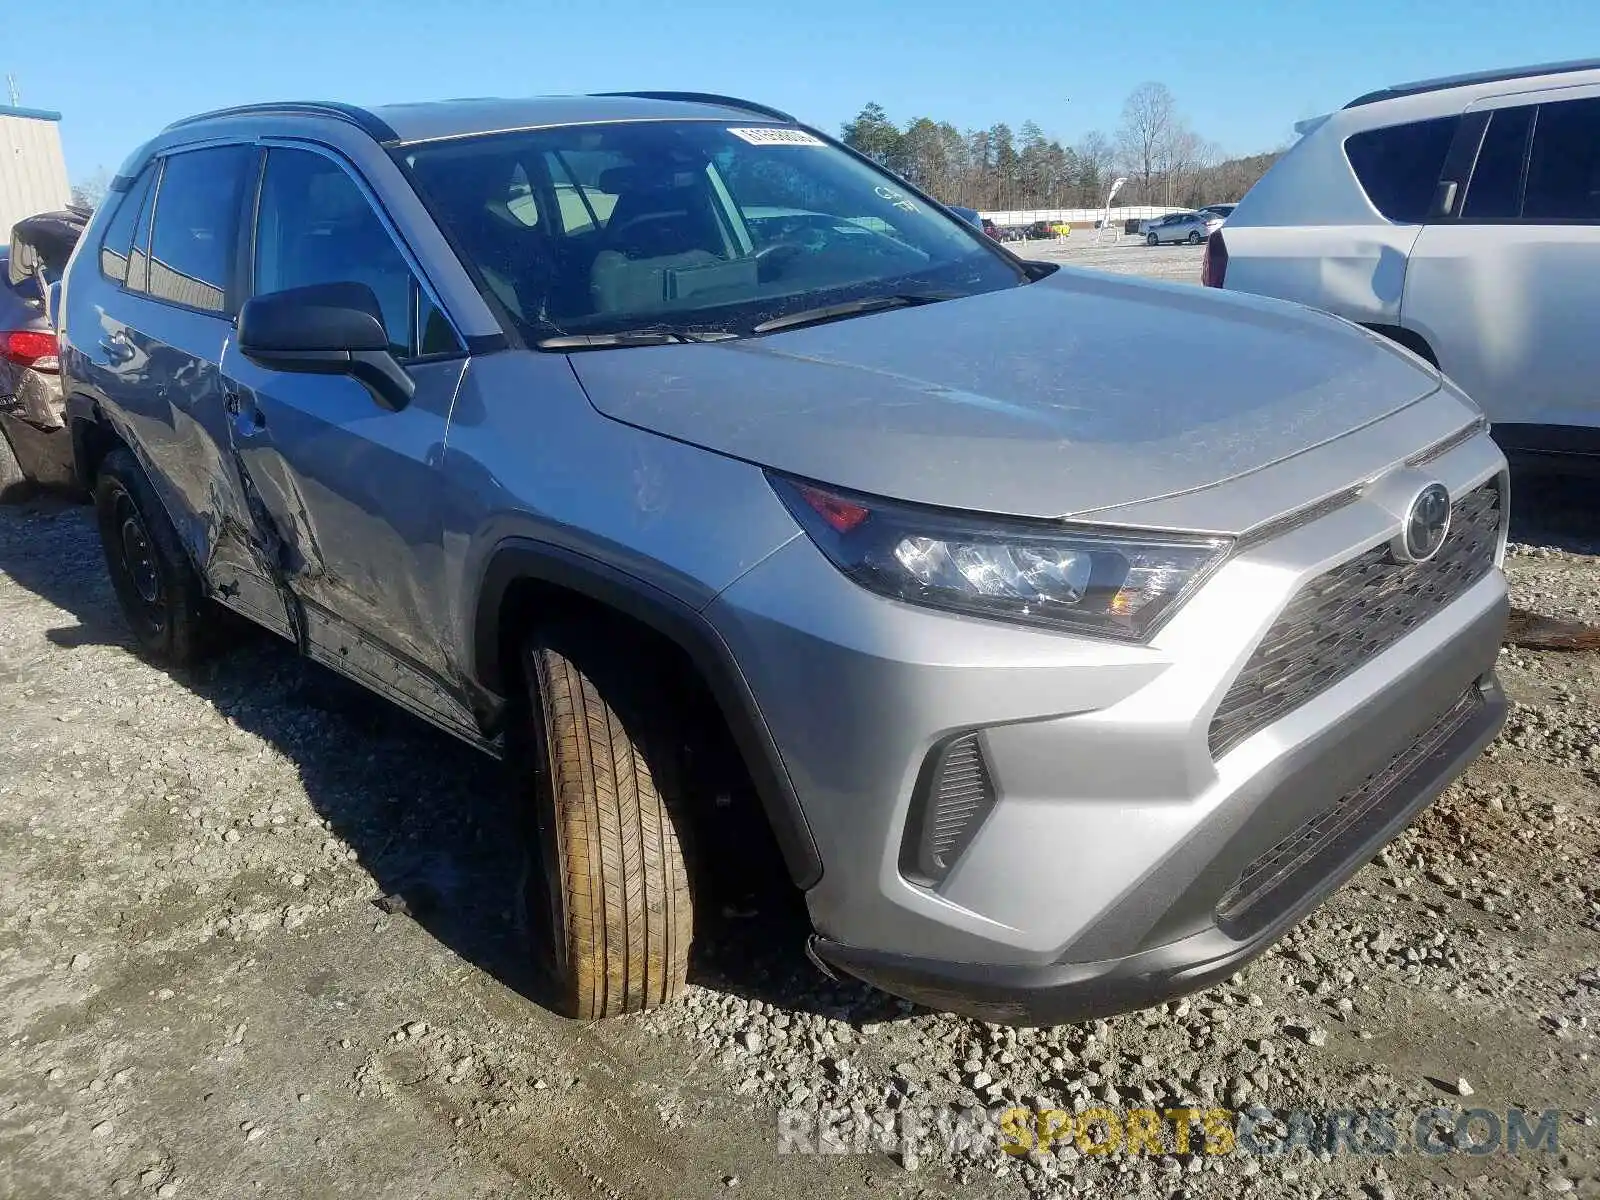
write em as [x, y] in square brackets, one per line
[1151, 239]
[159, 591]
[1194, 238]
[612, 905]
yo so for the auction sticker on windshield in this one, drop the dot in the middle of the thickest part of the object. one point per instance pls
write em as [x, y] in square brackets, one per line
[766, 135]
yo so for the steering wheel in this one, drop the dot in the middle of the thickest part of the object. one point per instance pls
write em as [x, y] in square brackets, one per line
[770, 257]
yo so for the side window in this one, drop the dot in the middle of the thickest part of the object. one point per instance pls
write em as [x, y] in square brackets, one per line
[580, 178]
[195, 230]
[114, 247]
[520, 201]
[1399, 166]
[1495, 192]
[1564, 168]
[315, 225]
[139, 254]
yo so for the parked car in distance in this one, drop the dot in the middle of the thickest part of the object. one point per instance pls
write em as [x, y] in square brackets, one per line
[1464, 218]
[826, 518]
[993, 230]
[1191, 227]
[35, 448]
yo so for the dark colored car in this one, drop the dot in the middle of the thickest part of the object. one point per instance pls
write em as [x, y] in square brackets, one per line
[35, 449]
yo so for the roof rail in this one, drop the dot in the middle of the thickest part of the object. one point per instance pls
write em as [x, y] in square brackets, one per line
[1450, 81]
[359, 117]
[777, 114]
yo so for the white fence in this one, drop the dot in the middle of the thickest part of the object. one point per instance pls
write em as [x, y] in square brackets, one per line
[1079, 216]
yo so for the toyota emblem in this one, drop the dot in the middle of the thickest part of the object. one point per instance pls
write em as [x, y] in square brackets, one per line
[1426, 524]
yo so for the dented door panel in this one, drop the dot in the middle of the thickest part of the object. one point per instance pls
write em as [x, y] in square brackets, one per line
[345, 502]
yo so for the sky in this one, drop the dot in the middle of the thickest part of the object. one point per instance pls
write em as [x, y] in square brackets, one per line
[1243, 71]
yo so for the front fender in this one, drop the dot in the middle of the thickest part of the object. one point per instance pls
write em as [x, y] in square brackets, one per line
[520, 559]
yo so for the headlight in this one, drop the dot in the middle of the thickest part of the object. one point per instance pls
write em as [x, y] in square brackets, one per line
[1117, 584]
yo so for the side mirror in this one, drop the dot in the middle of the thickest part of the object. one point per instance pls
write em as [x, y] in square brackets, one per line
[326, 329]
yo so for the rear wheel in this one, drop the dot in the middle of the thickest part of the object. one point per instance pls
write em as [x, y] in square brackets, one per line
[611, 906]
[1151, 239]
[157, 586]
[14, 482]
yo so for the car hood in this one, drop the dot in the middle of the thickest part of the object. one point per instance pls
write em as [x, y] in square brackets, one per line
[1078, 392]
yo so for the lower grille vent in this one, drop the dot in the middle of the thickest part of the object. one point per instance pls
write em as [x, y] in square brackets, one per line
[953, 797]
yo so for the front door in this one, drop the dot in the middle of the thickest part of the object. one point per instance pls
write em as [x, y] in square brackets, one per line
[347, 490]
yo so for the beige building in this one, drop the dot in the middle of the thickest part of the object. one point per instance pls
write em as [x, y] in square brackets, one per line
[33, 173]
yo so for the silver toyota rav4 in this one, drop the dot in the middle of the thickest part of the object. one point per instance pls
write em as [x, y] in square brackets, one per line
[653, 440]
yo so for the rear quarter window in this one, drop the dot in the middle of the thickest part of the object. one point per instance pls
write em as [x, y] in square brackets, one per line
[1399, 166]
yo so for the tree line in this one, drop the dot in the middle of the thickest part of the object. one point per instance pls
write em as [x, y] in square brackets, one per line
[1164, 160]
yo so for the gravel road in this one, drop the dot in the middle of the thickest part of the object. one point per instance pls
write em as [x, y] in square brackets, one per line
[1125, 256]
[204, 994]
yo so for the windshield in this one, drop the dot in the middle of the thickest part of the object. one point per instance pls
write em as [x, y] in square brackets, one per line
[696, 227]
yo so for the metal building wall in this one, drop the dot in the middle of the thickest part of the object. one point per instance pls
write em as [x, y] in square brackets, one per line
[33, 173]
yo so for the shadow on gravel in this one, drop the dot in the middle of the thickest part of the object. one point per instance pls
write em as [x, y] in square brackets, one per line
[1557, 511]
[435, 822]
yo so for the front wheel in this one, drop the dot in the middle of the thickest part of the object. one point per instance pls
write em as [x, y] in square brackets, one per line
[611, 905]
[1194, 239]
[159, 591]
[1151, 239]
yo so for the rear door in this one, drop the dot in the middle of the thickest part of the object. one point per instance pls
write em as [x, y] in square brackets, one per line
[1505, 290]
[171, 250]
[347, 492]
[1354, 265]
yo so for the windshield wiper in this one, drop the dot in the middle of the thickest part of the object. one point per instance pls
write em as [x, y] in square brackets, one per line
[850, 308]
[626, 337]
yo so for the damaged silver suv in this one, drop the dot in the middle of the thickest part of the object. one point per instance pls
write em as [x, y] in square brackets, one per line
[628, 434]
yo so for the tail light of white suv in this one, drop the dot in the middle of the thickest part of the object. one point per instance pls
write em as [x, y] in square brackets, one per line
[1214, 262]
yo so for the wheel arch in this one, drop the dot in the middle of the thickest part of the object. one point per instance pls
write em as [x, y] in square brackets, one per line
[92, 438]
[526, 580]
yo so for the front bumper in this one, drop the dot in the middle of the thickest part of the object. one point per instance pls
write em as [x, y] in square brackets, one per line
[1073, 991]
[1108, 871]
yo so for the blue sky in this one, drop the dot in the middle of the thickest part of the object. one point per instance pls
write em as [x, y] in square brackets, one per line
[1243, 70]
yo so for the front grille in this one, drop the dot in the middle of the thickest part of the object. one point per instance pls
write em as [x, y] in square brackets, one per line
[1348, 616]
[1335, 832]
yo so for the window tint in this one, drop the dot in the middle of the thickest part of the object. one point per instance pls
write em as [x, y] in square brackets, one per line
[119, 234]
[315, 225]
[1496, 188]
[1564, 168]
[196, 220]
[1399, 167]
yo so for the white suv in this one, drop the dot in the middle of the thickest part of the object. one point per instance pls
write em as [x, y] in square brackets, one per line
[1460, 217]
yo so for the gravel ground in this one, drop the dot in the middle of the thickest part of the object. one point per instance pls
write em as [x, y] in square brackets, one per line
[204, 994]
